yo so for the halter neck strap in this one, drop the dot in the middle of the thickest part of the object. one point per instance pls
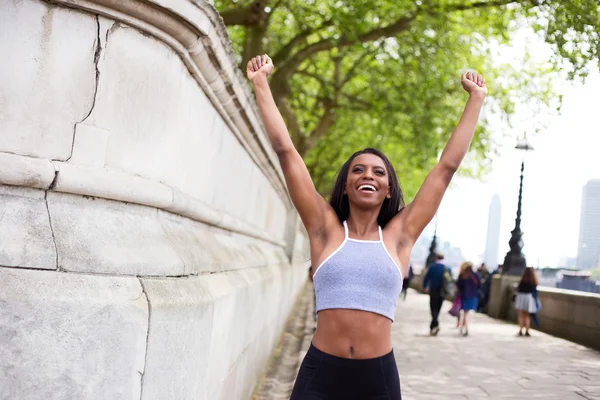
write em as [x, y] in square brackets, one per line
[347, 235]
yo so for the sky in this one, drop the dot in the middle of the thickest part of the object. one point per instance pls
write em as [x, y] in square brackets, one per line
[565, 156]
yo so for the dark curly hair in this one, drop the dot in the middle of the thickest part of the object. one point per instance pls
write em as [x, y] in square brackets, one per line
[389, 208]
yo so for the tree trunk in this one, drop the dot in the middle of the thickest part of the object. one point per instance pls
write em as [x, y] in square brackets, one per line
[254, 43]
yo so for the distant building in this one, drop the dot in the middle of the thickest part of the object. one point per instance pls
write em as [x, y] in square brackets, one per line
[567, 262]
[419, 252]
[453, 256]
[588, 250]
[493, 234]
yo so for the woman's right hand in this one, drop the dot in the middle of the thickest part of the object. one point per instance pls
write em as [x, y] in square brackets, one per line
[259, 66]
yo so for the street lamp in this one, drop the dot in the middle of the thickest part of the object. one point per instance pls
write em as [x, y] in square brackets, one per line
[432, 257]
[514, 261]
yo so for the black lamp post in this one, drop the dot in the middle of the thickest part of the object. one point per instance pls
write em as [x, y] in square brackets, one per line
[432, 257]
[514, 261]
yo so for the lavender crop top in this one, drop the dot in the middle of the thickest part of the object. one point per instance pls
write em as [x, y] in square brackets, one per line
[359, 275]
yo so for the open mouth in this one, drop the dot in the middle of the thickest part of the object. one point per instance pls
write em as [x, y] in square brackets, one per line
[367, 188]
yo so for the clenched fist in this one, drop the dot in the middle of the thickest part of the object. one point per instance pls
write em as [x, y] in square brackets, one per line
[472, 82]
[259, 66]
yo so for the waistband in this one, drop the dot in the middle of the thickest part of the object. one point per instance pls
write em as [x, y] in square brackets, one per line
[354, 362]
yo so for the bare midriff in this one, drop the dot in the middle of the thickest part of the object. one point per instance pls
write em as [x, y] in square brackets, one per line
[353, 334]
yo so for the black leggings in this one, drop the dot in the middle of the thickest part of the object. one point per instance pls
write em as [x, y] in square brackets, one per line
[326, 377]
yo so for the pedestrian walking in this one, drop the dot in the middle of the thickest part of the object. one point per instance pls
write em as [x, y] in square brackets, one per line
[468, 285]
[434, 285]
[360, 242]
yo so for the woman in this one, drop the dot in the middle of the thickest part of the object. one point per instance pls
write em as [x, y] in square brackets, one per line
[468, 284]
[525, 302]
[360, 242]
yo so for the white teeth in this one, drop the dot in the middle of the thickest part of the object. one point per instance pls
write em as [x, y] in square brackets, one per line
[367, 187]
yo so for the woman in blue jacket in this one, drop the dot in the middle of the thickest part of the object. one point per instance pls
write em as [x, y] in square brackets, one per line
[468, 284]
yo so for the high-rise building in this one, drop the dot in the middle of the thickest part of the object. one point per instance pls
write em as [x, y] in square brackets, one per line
[493, 234]
[588, 250]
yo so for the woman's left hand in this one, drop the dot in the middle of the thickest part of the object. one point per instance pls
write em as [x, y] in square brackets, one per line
[473, 82]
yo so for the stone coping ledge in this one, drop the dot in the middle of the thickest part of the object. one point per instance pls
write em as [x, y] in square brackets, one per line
[548, 291]
[559, 293]
[16, 170]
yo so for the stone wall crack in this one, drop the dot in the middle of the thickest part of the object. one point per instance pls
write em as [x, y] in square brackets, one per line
[143, 373]
[97, 57]
[55, 179]
[50, 221]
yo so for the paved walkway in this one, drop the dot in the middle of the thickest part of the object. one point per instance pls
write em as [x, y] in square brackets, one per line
[491, 363]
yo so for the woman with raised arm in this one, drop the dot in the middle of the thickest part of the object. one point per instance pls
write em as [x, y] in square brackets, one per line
[360, 244]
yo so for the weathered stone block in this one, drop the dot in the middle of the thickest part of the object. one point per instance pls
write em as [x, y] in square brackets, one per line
[210, 335]
[89, 146]
[203, 248]
[50, 79]
[69, 336]
[109, 237]
[179, 339]
[165, 132]
[25, 232]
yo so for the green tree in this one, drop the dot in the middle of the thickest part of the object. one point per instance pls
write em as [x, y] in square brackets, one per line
[385, 73]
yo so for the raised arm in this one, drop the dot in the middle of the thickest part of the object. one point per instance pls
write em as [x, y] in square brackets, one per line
[310, 204]
[419, 213]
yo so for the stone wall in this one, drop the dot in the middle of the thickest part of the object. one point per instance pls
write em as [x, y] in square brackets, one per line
[148, 247]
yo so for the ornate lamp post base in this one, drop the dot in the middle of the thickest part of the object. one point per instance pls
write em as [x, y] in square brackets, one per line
[431, 258]
[514, 264]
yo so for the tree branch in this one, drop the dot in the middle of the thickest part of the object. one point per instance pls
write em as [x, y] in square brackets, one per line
[357, 102]
[325, 122]
[352, 72]
[314, 76]
[327, 44]
[290, 118]
[395, 28]
[285, 51]
[281, 77]
[253, 44]
[251, 15]
[337, 80]
[319, 176]
[485, 4]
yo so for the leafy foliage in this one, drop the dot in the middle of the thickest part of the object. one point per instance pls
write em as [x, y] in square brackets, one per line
[385, 73]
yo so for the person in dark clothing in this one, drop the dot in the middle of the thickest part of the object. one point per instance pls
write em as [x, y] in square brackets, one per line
[406, 281]
[468, 284]
[486, 288]
[433, 283]
[525, 302]
[483, 272]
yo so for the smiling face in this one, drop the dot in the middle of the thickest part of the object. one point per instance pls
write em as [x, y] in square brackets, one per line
[368, 183]
[367, 180]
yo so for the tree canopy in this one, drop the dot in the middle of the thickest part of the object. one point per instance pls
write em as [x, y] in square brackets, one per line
[385, 73]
